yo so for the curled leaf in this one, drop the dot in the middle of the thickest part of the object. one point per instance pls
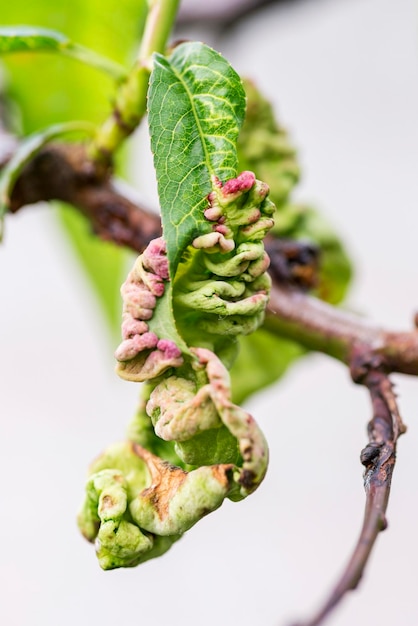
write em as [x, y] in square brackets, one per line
[138, 505]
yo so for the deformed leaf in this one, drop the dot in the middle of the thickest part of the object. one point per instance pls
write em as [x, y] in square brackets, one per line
[163, 322]
[196, 107]
[34, 39]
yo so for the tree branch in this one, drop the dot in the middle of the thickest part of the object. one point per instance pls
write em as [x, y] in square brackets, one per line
[379, 458]
[64, 172]
[324, 328]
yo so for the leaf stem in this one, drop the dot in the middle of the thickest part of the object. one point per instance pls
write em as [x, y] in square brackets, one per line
[131, 97]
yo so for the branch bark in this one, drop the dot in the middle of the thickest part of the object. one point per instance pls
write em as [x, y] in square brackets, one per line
[378, 457]
[324, 328]
[64, 172]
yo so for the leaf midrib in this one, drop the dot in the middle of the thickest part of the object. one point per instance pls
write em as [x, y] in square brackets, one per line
[197, 120]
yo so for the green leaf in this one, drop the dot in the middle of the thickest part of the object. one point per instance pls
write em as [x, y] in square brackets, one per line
[103, 263]
[28, 39]
[31, 39]
[66, 91]
[251, 372]
[27, 149]
[196, 107]
[163, 323]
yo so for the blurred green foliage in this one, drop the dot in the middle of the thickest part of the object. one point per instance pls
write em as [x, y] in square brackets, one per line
[49, 89]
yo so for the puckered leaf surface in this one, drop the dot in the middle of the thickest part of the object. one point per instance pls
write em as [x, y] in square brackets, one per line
[196, 108]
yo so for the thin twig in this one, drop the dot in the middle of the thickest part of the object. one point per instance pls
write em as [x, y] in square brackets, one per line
[379, 458]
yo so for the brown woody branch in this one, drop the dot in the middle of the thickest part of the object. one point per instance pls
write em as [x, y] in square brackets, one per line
[324, 328]
[64, 172]
[371, 353]
[378, 457]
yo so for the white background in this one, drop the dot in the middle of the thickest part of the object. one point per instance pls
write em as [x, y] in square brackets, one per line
[344, 76]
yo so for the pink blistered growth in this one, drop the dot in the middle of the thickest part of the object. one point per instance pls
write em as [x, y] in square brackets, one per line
[154, 283]
[217, 373]
[210, 240]
[257, 230]
[169, 348]
[253, 216]
[262, 189]
[144, 357]
[213, 213]
[131, 327]
[258, 267]
[138, 301]
[165, 356]
[154, 258]
[216, 182]
[130, 348]
[242, 183]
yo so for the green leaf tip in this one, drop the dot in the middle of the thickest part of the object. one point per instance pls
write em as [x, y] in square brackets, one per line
[36, 39]
[196, 105]
[30, 38]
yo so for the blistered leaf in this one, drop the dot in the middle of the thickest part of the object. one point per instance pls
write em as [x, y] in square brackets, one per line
[31, 39]
[163, 322]
[196, 108]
